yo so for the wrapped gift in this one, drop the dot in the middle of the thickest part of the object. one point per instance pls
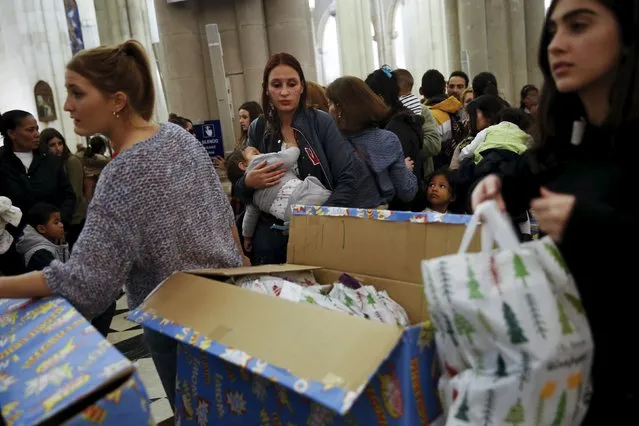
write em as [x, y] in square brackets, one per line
[56, 368]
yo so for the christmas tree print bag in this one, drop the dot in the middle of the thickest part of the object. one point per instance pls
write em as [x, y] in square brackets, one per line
[511, 332]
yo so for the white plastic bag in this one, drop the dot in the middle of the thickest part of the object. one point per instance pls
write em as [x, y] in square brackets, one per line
[9, 214]
[512, 336]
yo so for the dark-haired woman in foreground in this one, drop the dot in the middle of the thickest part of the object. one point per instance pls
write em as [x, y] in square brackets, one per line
[580, 180]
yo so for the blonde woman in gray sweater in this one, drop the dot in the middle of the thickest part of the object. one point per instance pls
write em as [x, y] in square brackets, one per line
[158, 207]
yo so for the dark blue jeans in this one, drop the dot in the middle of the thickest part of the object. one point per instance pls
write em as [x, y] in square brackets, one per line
[269, 245]
[163, 350]
[103, 321]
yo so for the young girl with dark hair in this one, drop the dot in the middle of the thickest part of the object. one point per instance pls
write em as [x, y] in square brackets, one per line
[441, 192]
[529, 99]
[579, 178]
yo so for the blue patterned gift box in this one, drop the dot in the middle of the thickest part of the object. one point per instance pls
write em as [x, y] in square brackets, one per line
[381, 215]
[51, 359]
[218, 385]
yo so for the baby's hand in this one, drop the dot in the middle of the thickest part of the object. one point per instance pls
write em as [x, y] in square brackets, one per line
[248, 244]
[219, 162]
[409, 163]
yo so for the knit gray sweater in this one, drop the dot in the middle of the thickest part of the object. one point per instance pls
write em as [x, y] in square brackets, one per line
[158, 208]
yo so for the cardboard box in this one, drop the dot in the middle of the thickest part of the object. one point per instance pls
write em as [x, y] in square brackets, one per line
[56, 368]
[251, 359]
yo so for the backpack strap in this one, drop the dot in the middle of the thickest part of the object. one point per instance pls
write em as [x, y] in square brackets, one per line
[368, 166]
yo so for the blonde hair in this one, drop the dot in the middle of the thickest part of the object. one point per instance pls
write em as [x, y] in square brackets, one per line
[465, 92]
[122, 68]
[361, 108]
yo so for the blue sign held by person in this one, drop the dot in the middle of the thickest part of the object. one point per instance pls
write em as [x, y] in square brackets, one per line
[209, 133]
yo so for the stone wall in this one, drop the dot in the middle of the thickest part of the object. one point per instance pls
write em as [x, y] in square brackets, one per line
[34, 46]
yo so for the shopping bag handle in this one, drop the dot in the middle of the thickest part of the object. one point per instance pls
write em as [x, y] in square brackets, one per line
[495, 226]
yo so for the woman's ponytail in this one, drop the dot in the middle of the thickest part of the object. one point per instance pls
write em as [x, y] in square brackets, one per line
[145, 101]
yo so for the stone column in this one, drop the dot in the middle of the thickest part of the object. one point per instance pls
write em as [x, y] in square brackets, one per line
[114, 25]
[437, 24]
[535, 13]
[222, 13]
[123, 21]
[49, 51]
[109, 20]
[451, 14]
[518, 50]
[102, 19]
[16, 56]
[89, 23]
[498, 45]
[184, 61]
[355, 38]
[251, 29]
[382, 22]
[58, 54]
[424, 37]
[473, 36]
[288, 31]
[138, 19]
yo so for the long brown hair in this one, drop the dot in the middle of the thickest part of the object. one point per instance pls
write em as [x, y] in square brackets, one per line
[558, 111]
[255, 110]
[122, 68]
[360, 107]
[46, 135]
[316, 96]
[281, 58]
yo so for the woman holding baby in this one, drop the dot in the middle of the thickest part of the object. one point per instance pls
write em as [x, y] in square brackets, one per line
[323, 154]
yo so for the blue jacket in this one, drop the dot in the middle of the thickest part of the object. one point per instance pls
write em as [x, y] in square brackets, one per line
[383, 152]
[325, 154]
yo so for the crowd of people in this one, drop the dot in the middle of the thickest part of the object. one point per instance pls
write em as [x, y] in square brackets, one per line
[562, 158]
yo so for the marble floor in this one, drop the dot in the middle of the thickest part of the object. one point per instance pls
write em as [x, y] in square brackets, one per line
[127, 338]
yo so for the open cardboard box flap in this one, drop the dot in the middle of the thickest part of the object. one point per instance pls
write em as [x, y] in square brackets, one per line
[391, 248]
[250, 270]
[309, 341]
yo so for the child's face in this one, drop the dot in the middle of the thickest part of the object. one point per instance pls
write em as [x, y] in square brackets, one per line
[54, 229]
[438, 192]
[250, 153]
